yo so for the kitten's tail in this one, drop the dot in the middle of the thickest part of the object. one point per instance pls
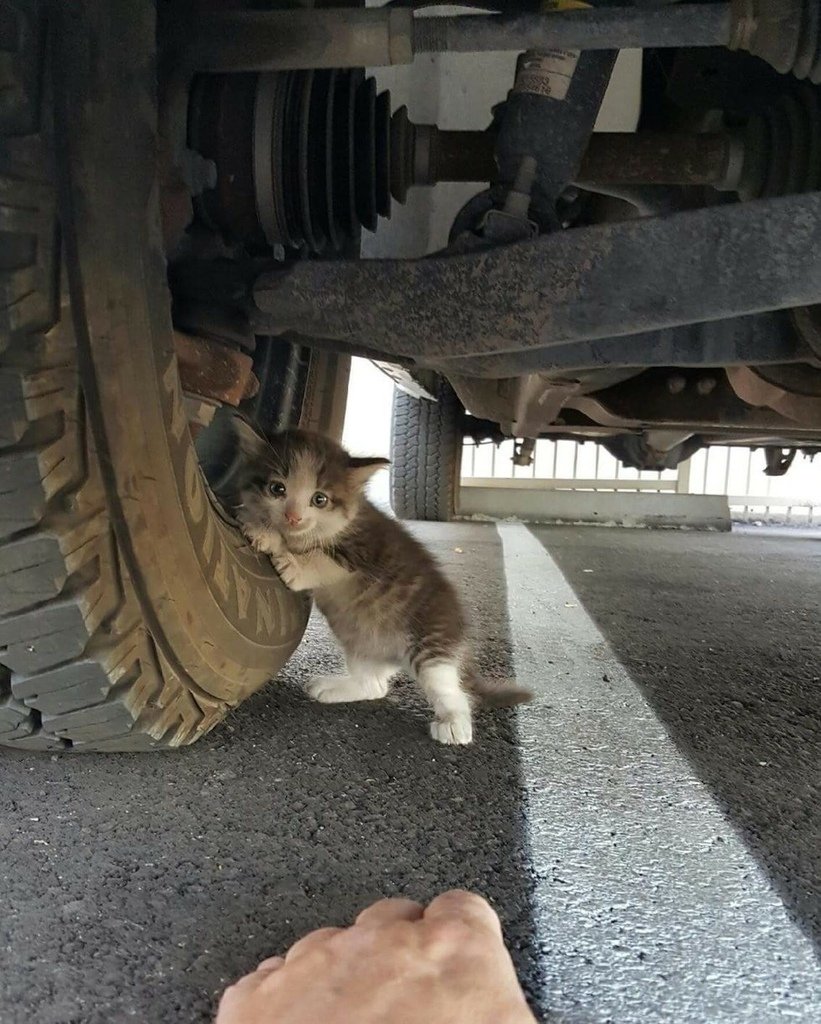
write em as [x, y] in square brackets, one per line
[493, 693]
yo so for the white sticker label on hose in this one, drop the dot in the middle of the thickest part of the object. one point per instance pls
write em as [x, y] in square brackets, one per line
[546, 73]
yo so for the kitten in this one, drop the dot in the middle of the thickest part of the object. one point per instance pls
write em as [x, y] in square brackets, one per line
[383, 594]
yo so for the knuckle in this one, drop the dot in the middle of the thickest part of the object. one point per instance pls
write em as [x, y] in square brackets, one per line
[461, 897]
[469, 911]
[449, 932]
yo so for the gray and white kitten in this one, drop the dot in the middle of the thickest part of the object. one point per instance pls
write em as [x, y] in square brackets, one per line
[383, 594]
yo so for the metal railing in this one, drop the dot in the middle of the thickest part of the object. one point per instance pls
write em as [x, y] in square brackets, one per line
[754, 497]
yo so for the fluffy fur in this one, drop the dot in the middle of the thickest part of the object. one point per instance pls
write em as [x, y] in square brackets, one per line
[383, 594]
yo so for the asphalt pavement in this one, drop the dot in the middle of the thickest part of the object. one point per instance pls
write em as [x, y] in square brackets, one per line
[648, 828]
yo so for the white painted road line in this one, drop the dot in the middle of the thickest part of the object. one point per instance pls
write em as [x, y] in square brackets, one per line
[648, 906]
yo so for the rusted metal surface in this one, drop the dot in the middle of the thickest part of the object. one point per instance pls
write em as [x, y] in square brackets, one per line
[527, 405]
[638, 402]
[278, 40]
[605, 281]
[538, 403]
[808, 323]
[430, 154]
[287, 40]
[784, 32]
[645, 399]
[656, 158]
[763, 338]
[645, 158]
[214, 371]
[601, 28]
[220, 115]
[804, 409]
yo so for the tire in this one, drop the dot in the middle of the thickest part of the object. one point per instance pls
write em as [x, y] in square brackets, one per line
[132, 614]
[426, 454]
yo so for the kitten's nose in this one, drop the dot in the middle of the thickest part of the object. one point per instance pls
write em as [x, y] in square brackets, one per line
[293, 518]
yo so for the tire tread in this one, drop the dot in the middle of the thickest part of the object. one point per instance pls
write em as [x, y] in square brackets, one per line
[78, 671]
[426, 445]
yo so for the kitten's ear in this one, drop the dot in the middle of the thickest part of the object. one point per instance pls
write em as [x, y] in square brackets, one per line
[251, 443]
[360, 470]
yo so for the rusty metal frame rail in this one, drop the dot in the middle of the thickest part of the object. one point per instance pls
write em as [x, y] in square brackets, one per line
[603, 28]
[596, 282]
[255, 40]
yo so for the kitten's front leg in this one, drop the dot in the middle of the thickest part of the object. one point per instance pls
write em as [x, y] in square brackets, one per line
[440, 680]
[364, 681]
[262, 539]
[308, 571]
[270, 542]
[291, 572]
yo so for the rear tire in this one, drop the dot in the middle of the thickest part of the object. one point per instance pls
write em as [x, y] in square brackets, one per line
[132, 613]
[426, 454]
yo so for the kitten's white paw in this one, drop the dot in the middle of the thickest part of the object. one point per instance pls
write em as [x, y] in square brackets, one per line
[343, 689]
[268, 542]
[455, 730]
[288, 570]
[328, 689]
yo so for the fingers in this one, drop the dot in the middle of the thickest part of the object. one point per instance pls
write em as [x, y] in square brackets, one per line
[388, 911]
[466, 907]
[378, 914]
[272, 963]
[311, 941]
[456, 906]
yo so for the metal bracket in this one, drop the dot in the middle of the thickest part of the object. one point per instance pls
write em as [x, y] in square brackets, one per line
[779, 460]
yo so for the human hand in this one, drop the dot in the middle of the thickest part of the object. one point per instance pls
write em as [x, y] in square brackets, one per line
[399, 963]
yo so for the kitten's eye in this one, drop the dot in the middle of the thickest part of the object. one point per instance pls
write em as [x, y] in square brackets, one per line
[277, 488]
[320, 500]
